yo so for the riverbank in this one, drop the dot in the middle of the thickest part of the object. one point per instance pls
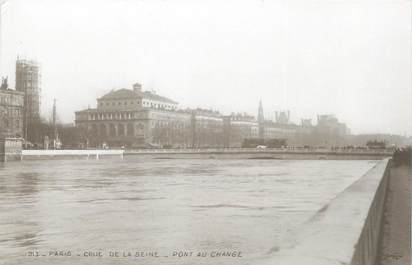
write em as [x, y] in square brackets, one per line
[395, 247]
[239, 153]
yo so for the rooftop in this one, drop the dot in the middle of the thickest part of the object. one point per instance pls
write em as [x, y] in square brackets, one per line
[128, 94]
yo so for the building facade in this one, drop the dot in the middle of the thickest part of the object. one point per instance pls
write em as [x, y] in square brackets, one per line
[275, 130]
[11, 111]
[137, 118]
[238, 127]
[134, 118]
[329, 131]
[206, 128]
[28, 83]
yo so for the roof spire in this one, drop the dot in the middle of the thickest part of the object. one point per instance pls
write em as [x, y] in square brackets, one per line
[261, 120]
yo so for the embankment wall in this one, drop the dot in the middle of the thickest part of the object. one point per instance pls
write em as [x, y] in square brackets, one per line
[345, 231]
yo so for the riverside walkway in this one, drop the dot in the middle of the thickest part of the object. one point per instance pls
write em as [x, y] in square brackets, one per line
[264, 150]
[267, 153]
[395, 247]
[238, 153]
[92, 153]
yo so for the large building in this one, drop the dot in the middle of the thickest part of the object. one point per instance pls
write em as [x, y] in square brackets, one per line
[11, 111]
[206, 128]
[134, 118]
[238, 127]
[329, 131]
[28, 82]
[137, 118]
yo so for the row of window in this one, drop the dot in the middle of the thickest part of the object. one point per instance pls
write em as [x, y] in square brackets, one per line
[118, 129]
[164, 124]
[11, 100]
[7, 123]
[145, 104]
[11, 112]
[113, 116]
[118, 103]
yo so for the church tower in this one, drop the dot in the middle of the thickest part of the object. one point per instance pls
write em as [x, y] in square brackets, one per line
[261, 121]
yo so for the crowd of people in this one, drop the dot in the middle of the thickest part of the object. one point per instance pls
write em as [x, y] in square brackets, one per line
[402, 156]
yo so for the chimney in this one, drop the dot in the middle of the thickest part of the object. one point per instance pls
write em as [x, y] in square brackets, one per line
[137, 88]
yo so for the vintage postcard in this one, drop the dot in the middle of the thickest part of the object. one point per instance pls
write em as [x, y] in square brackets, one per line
[177, 132]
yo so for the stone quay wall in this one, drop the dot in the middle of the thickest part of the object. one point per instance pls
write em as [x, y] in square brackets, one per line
[366, 251]
[253, 153]
[345, 231]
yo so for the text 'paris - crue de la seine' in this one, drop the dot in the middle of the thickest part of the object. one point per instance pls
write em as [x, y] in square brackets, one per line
[135, 254]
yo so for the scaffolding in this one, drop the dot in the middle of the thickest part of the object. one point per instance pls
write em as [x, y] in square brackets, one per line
[28, 82]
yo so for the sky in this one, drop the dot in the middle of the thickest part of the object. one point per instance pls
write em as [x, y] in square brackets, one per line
[350, 58]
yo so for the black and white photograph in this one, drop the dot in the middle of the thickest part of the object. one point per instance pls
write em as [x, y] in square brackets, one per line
[190, 132]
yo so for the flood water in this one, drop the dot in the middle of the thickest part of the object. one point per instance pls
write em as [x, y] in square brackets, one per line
[160, 207]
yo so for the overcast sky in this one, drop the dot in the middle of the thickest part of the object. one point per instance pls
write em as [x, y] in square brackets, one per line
[351, 58]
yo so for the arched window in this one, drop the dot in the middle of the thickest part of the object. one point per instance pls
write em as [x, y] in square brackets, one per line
[94, 130]
[140, 129]
[103, 131]
[130, 129]
[112, 130]
[120, 128]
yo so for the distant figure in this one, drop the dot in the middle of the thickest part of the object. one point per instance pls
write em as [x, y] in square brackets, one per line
[403, 156]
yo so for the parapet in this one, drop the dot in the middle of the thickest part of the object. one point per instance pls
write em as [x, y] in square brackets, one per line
[345, 231]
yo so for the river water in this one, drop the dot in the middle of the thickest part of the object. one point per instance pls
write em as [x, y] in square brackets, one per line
[63, 211]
